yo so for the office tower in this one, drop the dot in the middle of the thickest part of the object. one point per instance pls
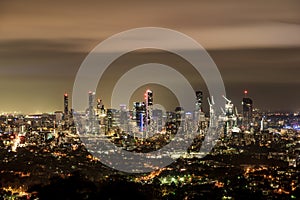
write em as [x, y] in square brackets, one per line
[149, 104]
[188, 124]
[247, 104]
[124, 116]
[91, 113]
[179, 113]
[149, 97]
[199, 115]
[58, 116]
[140, 114]
[112, 119]
[91, 100]
[66, 104]
[109, 119]
[158, 119]
[134, 111]
[171, 117]
[199, 98]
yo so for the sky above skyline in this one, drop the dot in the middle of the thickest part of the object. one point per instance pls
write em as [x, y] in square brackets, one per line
[255, 44]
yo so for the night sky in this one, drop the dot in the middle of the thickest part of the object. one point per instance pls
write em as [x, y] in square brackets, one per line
[255, 44]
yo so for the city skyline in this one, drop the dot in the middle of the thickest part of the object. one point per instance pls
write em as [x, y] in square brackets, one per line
[43, 45]
[93, 102]
[66, 105]
[149, 99]
[256, 155]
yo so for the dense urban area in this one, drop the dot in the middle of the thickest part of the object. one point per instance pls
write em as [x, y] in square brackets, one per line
[256, 155]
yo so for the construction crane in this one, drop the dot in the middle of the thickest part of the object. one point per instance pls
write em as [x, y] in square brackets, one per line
[223, 111]
[212, 101]
[228, 101]
[228, 107]
[211, 104]
[236, 112]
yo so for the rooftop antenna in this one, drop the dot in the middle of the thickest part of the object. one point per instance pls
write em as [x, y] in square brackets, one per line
[245, 93]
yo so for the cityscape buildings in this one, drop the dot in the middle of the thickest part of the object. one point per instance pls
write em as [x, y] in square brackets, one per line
[243, 145]
[260, 160]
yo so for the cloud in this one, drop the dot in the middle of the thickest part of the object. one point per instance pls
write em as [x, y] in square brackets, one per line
[217, 24]
[41, 57]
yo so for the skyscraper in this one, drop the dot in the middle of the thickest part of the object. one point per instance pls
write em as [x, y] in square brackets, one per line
[140, 114]
[199, 115]
[112, 119]
[91, 100]
[158, 119]
[91, 113]
[149, 97]
[149, 104]
[179, 113]
[247, 104]
[199, 98]
[66, 104]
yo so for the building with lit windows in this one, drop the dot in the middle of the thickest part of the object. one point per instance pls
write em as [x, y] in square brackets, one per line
[247, 104]
[66, 105]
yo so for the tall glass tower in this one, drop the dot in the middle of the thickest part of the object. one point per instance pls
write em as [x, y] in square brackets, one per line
[247, 104]
[66, 104]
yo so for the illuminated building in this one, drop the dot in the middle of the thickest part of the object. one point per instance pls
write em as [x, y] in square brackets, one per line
[149, 104]
[112, 119]
[157, 119]
[179, 113]
[247, 104]
[66, 104]
[58, 116]
[199, 99]
[91, 113]
[140, 114]
[100, 116]
[199, 115]
[188, 125]
[124, 116]
[91, 100]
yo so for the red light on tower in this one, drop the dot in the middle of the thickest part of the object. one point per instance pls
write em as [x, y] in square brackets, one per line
[245, 92]
[66, 94]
